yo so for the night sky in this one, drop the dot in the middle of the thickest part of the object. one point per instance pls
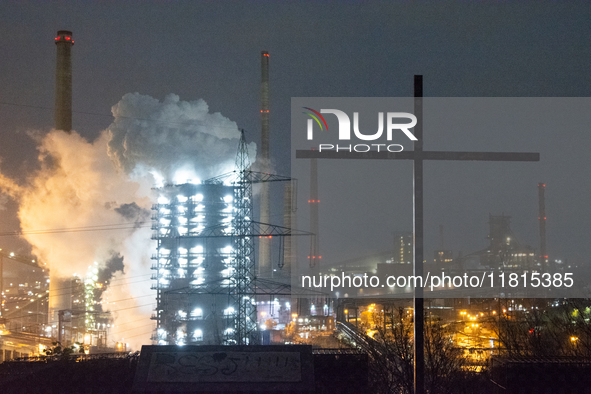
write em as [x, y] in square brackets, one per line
[212, 51]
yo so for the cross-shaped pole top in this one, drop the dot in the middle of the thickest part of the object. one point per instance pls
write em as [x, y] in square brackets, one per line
[418, 156]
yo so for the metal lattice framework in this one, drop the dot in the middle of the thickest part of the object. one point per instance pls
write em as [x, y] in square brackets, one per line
[205, 257]
[244, 278]
[243, 287]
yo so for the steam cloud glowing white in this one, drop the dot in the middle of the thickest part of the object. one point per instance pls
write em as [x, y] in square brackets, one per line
[82, 184]
[178, 140]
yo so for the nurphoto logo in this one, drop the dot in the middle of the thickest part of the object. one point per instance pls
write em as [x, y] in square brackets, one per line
[344, 130]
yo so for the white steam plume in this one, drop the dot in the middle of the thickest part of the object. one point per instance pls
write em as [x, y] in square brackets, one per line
[3, 202]
[176, 140]
[81, 184]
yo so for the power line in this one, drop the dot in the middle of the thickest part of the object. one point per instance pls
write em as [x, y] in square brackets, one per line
[144, 333]
[110, 302]
[111, 116]
[114, 310]
[129, 329]
[123, 226]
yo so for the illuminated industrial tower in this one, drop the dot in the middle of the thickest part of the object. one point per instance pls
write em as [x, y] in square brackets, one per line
[185, 260]
[205, 274]
[204, 265]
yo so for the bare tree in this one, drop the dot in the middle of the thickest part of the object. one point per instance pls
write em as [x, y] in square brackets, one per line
[392, 355]
[562, 328]
[444, 361]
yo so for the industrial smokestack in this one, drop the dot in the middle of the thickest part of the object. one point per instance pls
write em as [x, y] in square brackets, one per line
[314, 201]
[265, 269]
[542, 219]
[60, 289]
[63, 81]
[289, 207]
[265, 106]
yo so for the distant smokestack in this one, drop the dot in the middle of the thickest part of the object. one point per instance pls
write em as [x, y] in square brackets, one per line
[265, 106]
[542, 220]
[265, 269]
[288, 222]
[60, 289]
[63, 81]
[314, 201]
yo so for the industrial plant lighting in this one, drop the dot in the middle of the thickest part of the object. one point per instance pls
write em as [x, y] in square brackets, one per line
[192, 210]
[229, 311]
[198, 335]
[197, 249]
[228, 272]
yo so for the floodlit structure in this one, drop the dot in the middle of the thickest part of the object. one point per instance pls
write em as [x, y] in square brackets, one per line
[205, 247]
[187, 258]
[204, 266]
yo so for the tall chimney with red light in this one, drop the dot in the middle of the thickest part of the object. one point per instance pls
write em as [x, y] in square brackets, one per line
[63, 81]
[265, 268]
[542, 219]
[289, 208]
[60, 288]
[313, 202]
[265, 106]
